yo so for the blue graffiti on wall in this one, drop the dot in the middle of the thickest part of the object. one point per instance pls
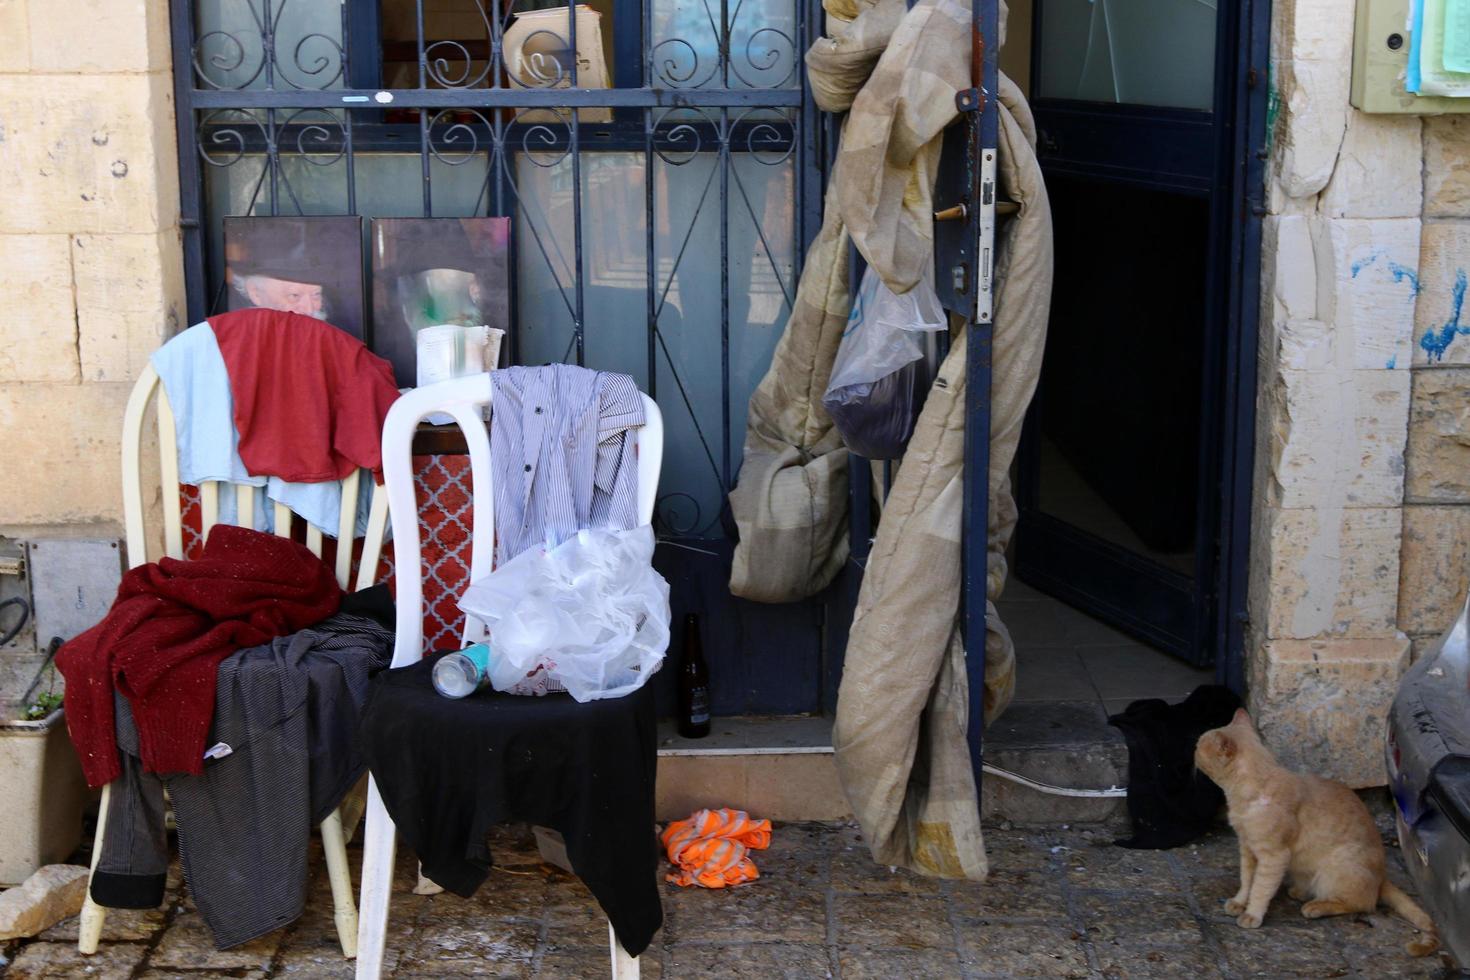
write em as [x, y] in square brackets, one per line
[1400, 272]
[1437, 340]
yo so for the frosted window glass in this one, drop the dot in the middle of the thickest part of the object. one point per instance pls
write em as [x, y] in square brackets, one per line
[686, 46]
[1139, 52]
[688, 356]
[229, 52]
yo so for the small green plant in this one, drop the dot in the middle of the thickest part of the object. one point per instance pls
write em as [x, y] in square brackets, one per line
[39, 705]
[42, 706]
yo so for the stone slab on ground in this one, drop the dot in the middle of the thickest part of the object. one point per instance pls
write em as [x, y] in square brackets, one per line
[1061, 902]
[53, 893]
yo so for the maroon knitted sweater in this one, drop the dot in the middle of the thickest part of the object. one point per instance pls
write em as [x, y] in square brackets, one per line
[169, 627]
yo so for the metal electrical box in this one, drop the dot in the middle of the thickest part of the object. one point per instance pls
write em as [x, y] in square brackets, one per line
[1381, 62]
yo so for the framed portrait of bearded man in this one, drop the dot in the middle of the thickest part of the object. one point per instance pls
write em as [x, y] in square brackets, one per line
[307, 265]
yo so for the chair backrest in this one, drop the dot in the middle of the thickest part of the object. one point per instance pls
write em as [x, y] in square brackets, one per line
[150, 389]
[465, 400]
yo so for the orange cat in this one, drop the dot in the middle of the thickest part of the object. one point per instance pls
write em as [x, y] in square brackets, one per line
[1313, 828]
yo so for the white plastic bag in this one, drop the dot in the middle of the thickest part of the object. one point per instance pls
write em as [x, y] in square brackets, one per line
[875, 392]
[590, 614]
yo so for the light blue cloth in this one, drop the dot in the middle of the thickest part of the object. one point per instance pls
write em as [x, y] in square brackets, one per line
[198, 386]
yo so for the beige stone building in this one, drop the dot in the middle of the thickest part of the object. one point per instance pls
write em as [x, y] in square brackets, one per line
[1360, 539]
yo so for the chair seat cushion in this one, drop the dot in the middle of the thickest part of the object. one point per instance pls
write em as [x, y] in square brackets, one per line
[449, 770]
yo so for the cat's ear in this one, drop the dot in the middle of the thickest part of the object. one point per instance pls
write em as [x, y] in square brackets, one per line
[1242, 717]
[1228, 747]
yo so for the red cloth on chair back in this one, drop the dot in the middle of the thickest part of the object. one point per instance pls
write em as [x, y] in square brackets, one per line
[309, 399]
[169, 627]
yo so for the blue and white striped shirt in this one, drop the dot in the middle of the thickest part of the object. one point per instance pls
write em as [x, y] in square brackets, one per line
[558, 455]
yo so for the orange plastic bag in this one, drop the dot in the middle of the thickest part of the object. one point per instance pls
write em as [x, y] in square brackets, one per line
[712, 848]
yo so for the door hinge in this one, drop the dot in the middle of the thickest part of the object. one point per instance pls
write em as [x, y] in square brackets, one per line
[967, 100]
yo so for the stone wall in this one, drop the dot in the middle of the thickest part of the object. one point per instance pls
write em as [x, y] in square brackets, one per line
[1363, 452]
[1435, 567]
[90, 261]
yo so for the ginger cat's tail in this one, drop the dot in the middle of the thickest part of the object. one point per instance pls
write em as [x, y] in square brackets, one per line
[1389, 894]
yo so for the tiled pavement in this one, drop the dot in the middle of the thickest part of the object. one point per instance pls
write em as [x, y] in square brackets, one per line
[1059, 903]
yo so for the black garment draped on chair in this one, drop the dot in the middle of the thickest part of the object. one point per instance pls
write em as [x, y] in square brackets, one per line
[450, 770]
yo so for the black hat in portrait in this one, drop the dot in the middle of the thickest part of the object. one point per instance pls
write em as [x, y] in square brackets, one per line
[306, 265]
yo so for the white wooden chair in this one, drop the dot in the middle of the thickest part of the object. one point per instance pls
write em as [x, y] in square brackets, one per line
[334, 842]
[465, 399]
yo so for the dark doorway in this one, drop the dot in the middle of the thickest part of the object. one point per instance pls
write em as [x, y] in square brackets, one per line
[1129, 481]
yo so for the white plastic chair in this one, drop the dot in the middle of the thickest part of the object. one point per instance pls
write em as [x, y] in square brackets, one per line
[465, 399]
[334, 842]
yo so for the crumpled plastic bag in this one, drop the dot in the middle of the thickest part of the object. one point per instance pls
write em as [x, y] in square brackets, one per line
[589, 614]
[878, 378]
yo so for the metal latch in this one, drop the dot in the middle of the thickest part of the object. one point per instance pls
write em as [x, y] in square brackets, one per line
[967, 100]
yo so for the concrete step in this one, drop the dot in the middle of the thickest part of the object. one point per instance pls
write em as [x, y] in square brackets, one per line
[783, 768]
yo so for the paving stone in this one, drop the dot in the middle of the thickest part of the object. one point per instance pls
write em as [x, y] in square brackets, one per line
[1298, 949]
[591, 961]
[209, 975]
[798, 854]
[853, 870]
[121, 925]
[1020, 850]
[471, 937]
[1001, 949]
[306, 965]
[187, 944]
[61, 961]
[1102, 864]
[1379, 930]
[573, 916]
[1137, 918]
[868, 920]
[1009, 894]
[1164, 962]
[518, 891]
[767, 909]
[1217, 851]
[719, 962]
[863, 963]
[433, 969]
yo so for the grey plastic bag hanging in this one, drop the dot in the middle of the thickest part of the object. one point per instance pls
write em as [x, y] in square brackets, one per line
[879, 376]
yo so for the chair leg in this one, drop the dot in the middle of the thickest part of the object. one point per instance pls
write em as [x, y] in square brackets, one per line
[624, 967]
[89, 928]
[378, 847]
[352, 808]
[334, 845]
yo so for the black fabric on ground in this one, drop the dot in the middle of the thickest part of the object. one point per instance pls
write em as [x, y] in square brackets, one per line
[449, 770]
[1169, 801]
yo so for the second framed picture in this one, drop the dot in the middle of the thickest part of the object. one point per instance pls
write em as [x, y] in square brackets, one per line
[430, 272]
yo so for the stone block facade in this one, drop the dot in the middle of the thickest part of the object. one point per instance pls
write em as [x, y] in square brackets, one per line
[1361, 551]
[1435, 571]
[90, 257]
